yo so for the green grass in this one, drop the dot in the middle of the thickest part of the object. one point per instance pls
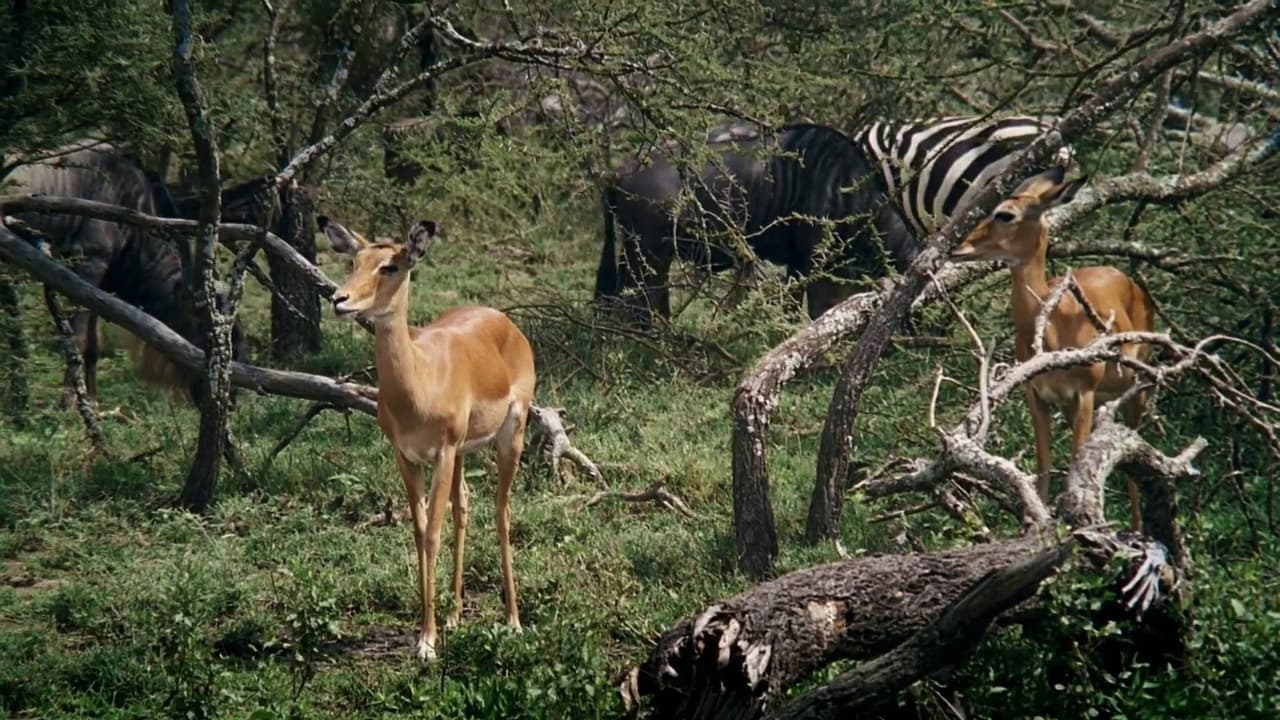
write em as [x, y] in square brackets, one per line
[284, 602]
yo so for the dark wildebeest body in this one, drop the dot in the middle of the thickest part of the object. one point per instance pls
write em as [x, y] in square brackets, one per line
[778, 191]
[137, 267]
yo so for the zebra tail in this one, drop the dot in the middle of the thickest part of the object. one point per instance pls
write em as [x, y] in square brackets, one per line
[607, 273]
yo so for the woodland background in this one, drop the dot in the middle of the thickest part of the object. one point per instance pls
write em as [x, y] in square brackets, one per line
[282, 599]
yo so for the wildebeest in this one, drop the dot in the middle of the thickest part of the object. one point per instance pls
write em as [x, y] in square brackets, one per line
[137, 267]
[777, 189]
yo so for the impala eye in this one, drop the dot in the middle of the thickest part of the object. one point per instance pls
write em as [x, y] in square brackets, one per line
[1003, 216]
[388, 269]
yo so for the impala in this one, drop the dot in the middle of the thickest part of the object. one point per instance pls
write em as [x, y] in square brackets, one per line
[1015, 234]
[459, 384]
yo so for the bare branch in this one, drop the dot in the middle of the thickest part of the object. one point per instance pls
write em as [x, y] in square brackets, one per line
[114, 213]
[173, 346]
[655, 493]
[1259, 90]
[553, 427]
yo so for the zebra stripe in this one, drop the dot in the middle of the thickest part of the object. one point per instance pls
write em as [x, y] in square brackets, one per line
[932, 167]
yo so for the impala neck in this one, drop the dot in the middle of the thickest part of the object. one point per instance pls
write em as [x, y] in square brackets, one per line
[393, 349]
[1030, 287]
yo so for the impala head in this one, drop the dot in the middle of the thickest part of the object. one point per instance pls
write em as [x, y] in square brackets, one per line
[378, 285]
[1014, 232]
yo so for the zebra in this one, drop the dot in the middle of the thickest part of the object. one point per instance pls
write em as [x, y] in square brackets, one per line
[932, 167]
[779, 189]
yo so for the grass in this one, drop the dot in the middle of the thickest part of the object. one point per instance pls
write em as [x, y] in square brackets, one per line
[284, 602]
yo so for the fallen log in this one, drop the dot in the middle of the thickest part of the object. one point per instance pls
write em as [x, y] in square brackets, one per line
[736, 659]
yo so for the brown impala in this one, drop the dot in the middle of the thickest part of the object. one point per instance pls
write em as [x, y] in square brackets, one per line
[462, 383]
[1015, 233]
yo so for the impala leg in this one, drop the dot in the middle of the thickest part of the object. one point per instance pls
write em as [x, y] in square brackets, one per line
[1081, 420]
[461, 504]
[411, 473]
[441, 483]
[1040, 427]
[508, 461]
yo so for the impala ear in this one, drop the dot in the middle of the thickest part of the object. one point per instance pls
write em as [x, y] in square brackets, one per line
[1067, 192]
[421, 237]
[340, 238]
[1041, 185]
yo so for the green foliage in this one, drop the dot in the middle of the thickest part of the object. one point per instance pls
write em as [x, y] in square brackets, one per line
[1085, 668]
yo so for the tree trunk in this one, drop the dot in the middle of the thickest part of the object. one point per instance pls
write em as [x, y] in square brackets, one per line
[753, 403]
[295, 307]
[737, 659]
[18, 392]
[212, 393]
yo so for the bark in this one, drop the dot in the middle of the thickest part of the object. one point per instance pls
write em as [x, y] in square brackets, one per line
[842, 412]
[213, 392]
[18, 391]
[754, 401]
[756, 397]
[736, 659]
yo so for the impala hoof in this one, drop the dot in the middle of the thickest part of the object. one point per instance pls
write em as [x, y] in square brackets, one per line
[514, 623]
[453, 620]
[426, 651]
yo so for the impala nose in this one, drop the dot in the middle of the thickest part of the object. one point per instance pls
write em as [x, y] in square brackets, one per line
[338, 300]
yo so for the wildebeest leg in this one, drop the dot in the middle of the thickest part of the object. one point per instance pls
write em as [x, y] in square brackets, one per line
[90, 355]
[647, 264]
[824, 293]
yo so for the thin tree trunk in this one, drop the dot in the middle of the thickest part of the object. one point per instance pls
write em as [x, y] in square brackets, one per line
[75, 371]
[213, 395]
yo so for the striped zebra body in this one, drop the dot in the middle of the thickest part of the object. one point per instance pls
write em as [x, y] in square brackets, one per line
[777, 190]
[933, 167]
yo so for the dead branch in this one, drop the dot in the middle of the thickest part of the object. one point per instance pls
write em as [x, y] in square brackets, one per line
[74, 380]
[76, 390]
[553, 428]
[945, 642]
[173, 346]
[1259, 90]
[294, 431]
[656, 493]
[114, 213]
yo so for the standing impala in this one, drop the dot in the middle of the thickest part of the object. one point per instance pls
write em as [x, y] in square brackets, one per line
[1015, 233]
[459, 384]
